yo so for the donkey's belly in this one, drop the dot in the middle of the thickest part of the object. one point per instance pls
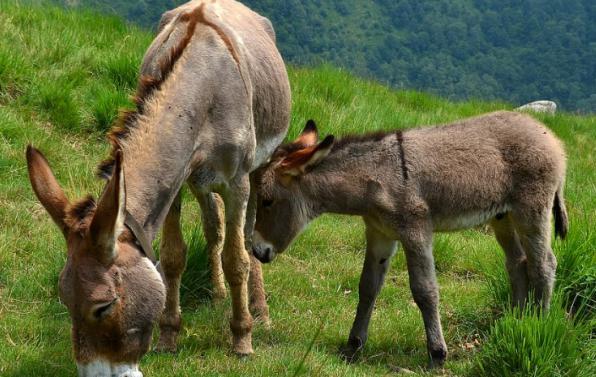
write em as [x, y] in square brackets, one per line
[467, 220]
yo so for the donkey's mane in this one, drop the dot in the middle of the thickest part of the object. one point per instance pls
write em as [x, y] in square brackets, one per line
[78, 215]
[78, 218]
[356, 139]
[149, 84]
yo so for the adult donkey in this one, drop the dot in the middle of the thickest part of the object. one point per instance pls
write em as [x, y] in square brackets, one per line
[504, 168]
[213, 103]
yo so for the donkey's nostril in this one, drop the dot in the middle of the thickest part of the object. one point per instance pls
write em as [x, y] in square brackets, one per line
[263, 253]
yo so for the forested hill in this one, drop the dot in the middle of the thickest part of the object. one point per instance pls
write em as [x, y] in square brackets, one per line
[515, 50]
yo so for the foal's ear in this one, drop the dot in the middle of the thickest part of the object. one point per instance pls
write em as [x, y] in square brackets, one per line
[297, 162]
[108, 221]
[309, 135]
[46, 188]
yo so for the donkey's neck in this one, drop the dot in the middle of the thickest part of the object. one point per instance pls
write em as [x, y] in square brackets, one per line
[158, 158]
[354, 176]
[332, 187]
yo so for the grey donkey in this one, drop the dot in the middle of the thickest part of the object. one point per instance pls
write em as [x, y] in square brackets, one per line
[213, 103]
[503, 168]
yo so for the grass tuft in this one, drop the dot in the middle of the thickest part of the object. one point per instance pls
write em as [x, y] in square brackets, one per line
[530, 343]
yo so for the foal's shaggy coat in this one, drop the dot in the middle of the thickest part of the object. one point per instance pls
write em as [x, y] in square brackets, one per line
[504, 168]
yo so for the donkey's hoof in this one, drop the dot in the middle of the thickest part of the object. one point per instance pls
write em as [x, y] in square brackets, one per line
[243, 352]
[437, 358]
[243, 345]
[351, 351]
[349, 355]
[243, 356]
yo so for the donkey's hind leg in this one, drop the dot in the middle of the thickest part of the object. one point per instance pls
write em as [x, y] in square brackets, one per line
[379, 250]
[515, 258]
[417, 243]
[212, 217]
[534, 230]
[172, 262]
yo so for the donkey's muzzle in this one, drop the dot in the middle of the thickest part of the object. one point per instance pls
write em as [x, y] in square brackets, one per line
[264, 253]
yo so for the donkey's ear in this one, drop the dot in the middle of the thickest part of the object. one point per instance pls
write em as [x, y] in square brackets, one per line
[296, 163]
[309, 136]
[46, 188]
[108, 221]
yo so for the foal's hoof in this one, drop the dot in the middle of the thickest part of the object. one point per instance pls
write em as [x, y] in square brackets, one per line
[351, 351]
[437, 358]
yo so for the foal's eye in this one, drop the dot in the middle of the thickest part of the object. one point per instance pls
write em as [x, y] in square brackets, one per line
[267, 203]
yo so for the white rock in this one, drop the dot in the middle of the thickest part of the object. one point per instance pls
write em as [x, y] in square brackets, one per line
[547, 107]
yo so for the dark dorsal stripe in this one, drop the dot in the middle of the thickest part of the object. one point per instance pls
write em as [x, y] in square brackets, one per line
[148, 84]
[402, 154]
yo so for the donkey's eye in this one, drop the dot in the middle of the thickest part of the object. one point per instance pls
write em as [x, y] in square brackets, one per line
[102, 310]
[267, 203]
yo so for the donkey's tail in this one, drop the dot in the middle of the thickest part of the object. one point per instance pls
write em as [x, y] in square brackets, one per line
[560, 214]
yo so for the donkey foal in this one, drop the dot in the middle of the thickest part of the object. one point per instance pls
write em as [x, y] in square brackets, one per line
[503, 168]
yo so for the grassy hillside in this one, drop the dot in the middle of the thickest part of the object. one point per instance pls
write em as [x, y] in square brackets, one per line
[62, 78]
[520, 51]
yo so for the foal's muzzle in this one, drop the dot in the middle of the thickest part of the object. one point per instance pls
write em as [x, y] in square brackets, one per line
[264, 253]
[262, 249]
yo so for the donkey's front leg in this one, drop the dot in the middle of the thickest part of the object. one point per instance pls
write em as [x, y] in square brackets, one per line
[258, 301]
[236, 265]
[379, 250]
[173, 263]
[417, 245]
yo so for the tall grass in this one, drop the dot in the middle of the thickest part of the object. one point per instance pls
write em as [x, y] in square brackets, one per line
[530, 343]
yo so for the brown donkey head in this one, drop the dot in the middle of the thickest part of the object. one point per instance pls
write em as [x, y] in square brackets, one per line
[282, 209]
[112, 291]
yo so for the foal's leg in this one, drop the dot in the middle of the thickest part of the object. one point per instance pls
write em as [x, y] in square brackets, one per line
[534, 229]
[173, 262]
[379, 251]
[236, 264]
[515, 258]
[258, 302]
[417, 245]
[212, 218]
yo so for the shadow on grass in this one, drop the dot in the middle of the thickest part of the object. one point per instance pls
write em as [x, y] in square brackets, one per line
[195, 289]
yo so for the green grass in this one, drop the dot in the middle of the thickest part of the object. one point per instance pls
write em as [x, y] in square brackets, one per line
[62, 78]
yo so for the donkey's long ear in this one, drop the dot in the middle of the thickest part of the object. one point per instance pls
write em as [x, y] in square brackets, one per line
[46, 188]
[309, 136]
[108, 221]
[297, 162]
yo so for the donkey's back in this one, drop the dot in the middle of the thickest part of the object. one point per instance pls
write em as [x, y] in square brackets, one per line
[504, 168]
[471, 171]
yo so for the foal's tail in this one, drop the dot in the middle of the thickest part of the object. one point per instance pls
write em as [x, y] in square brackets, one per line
[560, 213]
